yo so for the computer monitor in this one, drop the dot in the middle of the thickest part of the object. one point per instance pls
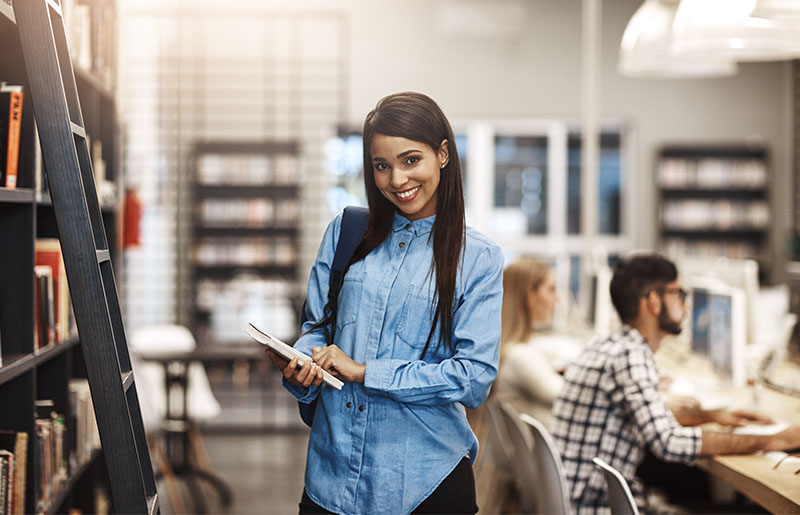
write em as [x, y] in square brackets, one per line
[700, 320]
[741, 274]
[719, 329]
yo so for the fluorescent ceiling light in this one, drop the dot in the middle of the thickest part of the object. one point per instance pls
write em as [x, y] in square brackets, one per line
[645, 50]
[726, 29]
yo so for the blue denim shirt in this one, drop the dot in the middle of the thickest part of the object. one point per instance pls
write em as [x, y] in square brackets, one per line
[385, 445]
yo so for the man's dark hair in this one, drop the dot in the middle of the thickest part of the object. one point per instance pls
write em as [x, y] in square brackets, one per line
[634, 277]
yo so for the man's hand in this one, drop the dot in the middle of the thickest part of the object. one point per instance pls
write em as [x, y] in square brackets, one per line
[737, 418]
[309, 374]
[333, 360]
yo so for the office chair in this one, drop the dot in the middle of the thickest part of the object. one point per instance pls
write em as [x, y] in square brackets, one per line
[543, 484]
[620, 498]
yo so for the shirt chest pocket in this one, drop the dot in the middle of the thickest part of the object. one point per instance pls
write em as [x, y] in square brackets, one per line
[350, 294]
[415, 322]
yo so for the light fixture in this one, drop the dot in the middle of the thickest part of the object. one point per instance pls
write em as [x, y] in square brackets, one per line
[778, 10]
[645, 50]
[726, 29]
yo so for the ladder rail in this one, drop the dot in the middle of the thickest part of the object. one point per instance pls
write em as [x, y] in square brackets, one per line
[83, 243]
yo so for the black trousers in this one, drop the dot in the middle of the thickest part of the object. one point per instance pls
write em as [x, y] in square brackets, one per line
[454, 495]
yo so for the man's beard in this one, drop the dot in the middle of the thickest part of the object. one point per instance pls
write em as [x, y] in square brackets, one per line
[666, 324]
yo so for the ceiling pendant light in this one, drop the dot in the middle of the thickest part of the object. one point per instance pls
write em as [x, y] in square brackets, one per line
[726, 29]
[645, 50]
[778, 10]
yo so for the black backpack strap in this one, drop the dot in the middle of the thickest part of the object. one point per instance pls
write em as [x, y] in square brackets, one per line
[354, 224]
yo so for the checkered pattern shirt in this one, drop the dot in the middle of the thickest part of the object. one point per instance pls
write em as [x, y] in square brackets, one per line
[610, 408]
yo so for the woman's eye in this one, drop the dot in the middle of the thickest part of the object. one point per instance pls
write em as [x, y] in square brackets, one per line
[412, 160]
[381, 166]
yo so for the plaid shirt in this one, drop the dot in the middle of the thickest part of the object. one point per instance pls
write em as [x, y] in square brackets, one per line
[610, 408]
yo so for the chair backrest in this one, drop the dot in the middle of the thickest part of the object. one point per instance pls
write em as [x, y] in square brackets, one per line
[499, 449]
[620, 498]
[538, 466]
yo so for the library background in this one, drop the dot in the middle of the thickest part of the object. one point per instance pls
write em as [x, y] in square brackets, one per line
[216, 140]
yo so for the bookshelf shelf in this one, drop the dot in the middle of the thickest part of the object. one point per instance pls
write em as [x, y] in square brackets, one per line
[214, 191]
[714, 201]
[202, 231]
[21, 195]
[18, 364]
[228, 271]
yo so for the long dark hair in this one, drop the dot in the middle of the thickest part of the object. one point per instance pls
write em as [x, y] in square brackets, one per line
[416, 117]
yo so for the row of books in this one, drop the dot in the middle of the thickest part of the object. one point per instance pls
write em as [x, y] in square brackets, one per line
[731, 249]
[259, 251]
[12, 103]
[90, 27]
[712, 173]
[53, 315]
[58, 453]
[693, 214]
[13, 465]
[248, 169]
[255, 213]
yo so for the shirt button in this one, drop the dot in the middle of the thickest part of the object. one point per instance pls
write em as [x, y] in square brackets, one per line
[402, 244]
[349, 404]
[408, 226]
[361, 408]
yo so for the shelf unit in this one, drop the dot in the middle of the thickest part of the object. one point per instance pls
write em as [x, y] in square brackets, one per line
[28, 374]
[714, 201]
[245, 223]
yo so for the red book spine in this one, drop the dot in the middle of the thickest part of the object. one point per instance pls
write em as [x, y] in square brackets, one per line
[14, 125]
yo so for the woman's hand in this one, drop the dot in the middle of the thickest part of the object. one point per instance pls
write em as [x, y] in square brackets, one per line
[309, 374]
[333, 360]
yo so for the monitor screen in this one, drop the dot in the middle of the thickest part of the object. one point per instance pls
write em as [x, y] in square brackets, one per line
[721, 333]
[700, 321]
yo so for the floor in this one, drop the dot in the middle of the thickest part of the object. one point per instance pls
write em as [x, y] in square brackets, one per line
[264, 471]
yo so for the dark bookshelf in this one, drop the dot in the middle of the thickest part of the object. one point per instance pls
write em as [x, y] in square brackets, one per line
[243, 193]
[714, 201]
[28, 374]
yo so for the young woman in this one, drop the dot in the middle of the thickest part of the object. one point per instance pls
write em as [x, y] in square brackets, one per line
[414, 332]
[527, 380]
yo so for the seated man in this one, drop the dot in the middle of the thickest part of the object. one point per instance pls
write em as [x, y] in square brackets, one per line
[610, 405]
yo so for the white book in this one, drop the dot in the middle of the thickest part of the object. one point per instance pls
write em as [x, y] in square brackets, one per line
[288, 352]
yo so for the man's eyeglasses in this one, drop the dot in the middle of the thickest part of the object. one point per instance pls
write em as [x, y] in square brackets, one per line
[682, 294]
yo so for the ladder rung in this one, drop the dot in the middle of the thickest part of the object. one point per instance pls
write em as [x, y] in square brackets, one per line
[55, 6]
[127, 380]
[103, 255]
[78, 130]
[152, 504]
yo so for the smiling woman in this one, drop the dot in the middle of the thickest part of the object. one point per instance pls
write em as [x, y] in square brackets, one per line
[424, 337]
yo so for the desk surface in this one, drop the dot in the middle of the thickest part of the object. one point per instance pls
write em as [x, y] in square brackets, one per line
[776, 490]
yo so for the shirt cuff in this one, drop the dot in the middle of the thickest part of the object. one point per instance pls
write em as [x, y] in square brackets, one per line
[379, 372]
[304, 395]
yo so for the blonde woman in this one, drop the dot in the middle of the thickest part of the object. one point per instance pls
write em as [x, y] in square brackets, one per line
[527, 379]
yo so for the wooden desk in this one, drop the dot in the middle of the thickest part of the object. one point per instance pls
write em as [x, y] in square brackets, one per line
[753, 475]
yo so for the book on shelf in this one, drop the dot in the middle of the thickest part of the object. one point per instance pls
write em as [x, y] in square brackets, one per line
[48, 253]
[50, 455]
[11, 97]
[6, 482]
[85, 438]
[16, 443]
[43, 307]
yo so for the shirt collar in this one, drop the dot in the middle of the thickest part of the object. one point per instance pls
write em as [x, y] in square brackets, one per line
[420, 227]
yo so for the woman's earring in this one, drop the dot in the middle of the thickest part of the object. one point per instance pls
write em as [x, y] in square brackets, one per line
[443, 165]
